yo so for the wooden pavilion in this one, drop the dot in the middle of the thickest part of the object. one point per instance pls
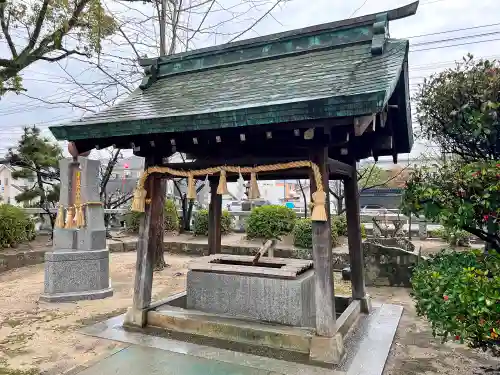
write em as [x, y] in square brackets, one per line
[330, 94]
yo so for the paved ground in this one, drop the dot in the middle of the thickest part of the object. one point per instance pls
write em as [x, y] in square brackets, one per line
[37, 337]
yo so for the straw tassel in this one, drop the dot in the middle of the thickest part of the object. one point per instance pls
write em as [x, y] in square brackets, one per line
[70, 217]
[80, 217]
[319, 209]
[254, 187]
[60, 217]
[191, 193]
[222, 188]
[139, 201]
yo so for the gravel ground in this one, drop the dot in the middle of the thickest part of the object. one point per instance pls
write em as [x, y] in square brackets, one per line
[42, 338]
[37, 336]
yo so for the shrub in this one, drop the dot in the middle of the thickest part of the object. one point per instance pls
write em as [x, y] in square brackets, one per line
[170, 217]
[201, 222]
[363, 231]
[15, 226]
[339, 222]
[133, 220]
[302, 234]
[459, 293]
[455, 237]
[270, 222]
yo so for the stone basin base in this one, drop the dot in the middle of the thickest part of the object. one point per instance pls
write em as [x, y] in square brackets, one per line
[280, 340]
[276, 290]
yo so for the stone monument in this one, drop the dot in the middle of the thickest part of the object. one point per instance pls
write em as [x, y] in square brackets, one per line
[77, 268]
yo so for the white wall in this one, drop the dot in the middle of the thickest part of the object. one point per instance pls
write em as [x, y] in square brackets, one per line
[7, 191]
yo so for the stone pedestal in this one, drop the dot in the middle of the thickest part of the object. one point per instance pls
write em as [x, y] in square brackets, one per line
[422, 229]
[78, 266]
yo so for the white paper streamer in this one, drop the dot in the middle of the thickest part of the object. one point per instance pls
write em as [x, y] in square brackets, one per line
[240, 190]
[205, 192]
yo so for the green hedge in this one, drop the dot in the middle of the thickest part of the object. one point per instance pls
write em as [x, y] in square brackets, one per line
[454, 237]
[339, 224]
[201, 222]
[15, 226]
[459, 293]
[302, 234]
[270, 222]
[170, 217]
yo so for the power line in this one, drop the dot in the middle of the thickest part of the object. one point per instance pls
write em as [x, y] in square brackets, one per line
[452, 31]
[456, 38]
[455, 45]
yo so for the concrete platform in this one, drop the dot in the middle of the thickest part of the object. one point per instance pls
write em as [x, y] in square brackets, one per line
[154, 352]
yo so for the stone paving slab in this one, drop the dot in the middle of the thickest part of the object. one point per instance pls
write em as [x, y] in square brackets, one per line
[367, 347]
[142, 360]
[112, 329]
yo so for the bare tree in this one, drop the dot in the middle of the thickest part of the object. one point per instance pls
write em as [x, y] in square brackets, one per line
[301, 186]
[152, 28]
[118, 197]
[368, 178]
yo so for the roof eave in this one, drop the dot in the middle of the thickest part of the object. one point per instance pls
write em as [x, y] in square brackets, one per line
[354, 105]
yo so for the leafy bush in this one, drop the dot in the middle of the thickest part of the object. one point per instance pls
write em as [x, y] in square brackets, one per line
[363, 231]
[170, 217]
[461, 196]
[339, 222]
[133, 220]
[454, 237]
[15, 226]
[302, 234]
[459, 293]
[270, 222]
[201, 222]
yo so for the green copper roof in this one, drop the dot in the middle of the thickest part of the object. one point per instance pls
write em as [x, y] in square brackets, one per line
[330, 72]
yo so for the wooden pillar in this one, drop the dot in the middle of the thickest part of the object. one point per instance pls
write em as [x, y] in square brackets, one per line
[148, 238]
[354, 236]
[322, 257]
[214, 219]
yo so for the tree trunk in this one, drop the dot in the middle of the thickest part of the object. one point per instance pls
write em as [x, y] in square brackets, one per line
[189, 213]
[303, 197]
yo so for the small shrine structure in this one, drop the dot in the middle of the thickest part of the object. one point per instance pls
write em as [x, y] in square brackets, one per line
[302, 104]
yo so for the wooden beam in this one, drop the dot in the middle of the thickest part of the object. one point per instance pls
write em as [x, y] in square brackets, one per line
[338, 168]
[214, 219]
[354, 236]
[143, 280]
[362, 123]
[322, 258]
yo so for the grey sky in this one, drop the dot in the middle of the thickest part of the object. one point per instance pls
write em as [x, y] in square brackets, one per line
[433, 16]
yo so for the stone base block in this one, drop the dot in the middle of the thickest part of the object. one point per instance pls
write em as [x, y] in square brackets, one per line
[327, 349]
[76, 275]
[78, 296]
[283, 301]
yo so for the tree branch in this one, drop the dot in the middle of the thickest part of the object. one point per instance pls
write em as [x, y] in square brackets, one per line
[256, 22]
[201, 22]
[5, 30]
[38, 26]
[63, 56]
